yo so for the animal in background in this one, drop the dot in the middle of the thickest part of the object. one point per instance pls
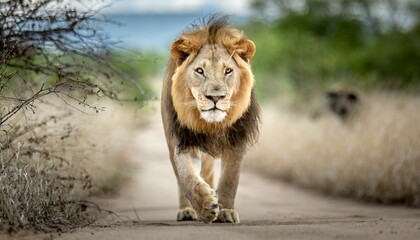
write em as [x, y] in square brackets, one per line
[342, 102]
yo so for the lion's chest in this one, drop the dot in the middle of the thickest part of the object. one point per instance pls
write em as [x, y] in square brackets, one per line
[213, 144]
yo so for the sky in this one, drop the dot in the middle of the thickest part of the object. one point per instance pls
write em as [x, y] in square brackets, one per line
[140, 29]
[239, 7]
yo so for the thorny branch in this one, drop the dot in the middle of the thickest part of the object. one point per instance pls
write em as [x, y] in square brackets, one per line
[50, 46]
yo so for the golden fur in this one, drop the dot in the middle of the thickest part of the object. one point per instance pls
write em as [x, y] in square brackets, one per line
[209, 111]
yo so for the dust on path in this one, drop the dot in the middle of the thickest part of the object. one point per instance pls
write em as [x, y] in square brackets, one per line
[268, 209]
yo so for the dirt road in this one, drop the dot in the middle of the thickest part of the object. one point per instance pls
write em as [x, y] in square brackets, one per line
[268, 209]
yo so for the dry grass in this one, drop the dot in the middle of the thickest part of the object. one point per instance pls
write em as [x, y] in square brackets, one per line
[52, 160]
[375, 156]
[39, 188]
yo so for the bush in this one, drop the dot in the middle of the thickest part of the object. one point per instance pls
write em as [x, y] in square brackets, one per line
[52, 51]
[53, 161]
[39, 188]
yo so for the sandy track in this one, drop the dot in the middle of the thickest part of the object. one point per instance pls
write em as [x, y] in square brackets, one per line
[268, 209]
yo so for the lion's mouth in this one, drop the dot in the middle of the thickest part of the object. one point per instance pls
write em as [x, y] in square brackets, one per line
[212, 109]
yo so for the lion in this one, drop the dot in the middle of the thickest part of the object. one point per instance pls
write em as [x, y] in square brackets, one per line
[209, 111]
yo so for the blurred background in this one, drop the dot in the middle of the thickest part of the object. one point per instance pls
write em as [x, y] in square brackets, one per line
[338, 82]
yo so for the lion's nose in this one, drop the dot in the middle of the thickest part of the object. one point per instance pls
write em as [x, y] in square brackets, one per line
[215, 99]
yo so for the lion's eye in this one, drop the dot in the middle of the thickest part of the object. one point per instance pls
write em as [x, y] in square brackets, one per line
[228, 71]
[199, 71]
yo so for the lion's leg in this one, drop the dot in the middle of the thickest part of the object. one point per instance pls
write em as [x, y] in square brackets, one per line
[228, 184]
[207, 169]
[186, 212]
[201, 196]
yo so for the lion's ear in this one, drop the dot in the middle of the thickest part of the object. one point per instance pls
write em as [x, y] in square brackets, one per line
[181, 49]
[246, 49]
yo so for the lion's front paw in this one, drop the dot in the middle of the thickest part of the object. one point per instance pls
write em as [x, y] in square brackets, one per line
[210, 210]
[206, 203]
[186, 214]
[228, 216]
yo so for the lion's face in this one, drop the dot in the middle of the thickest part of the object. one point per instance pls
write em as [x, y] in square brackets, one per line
[212, 83]
[212, 77]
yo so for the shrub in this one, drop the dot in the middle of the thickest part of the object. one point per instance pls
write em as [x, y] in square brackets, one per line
[39, 188]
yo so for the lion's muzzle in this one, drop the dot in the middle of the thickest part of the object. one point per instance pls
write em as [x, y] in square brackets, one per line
[213, 115]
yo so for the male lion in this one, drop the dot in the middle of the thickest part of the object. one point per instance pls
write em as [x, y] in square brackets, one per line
[209, 111]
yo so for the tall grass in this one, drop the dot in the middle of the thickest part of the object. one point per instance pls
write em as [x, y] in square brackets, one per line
[44, 196]
[375, 156]
[39, 187]
[54, 158]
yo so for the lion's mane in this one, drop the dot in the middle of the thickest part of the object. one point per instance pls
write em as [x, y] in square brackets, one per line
[211, 138]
